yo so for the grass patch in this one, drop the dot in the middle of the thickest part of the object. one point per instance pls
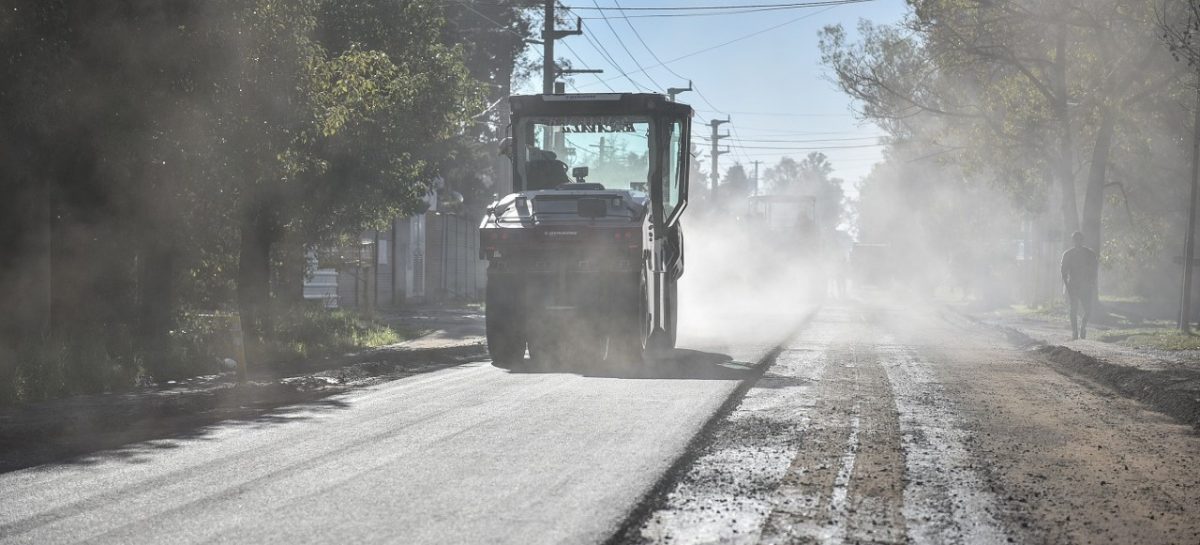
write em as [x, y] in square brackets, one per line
[1126, 299]
[301, 332]
[307, 332]
[1052, 310]
[1156, 338]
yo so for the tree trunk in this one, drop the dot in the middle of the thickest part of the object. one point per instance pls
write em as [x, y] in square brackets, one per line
[254, 283]
[1064, 167]
[24, 265]
[1093, 203]
[156, 282]
[292, 271]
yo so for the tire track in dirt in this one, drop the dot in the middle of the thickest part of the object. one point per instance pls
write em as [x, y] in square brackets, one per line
[1069, 460]
[846, 483]
[945, 500]
[725, 494]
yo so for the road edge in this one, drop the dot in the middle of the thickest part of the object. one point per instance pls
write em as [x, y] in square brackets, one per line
[1155, 389]
[642, 510]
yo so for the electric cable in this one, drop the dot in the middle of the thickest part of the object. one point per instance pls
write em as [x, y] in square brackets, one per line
[626, 48]
[580, 59]
[729, 42]
[817, 4]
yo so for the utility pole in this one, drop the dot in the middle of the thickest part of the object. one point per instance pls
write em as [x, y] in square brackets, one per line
[599, 151]
[549, 35]
[1189, 239]
[672, 91]
[755, 187]
[717, 152]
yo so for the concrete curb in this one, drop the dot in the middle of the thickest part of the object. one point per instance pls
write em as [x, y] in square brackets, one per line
[1166, 391]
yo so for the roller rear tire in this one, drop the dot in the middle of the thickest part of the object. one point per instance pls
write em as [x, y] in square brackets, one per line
[506, 321]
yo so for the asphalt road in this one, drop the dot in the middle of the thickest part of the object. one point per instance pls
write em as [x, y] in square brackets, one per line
[879, 422]
[886, 422]
[469, 454]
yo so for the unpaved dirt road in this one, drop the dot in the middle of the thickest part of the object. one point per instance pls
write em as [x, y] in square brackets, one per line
[885, 423]
[468, 454]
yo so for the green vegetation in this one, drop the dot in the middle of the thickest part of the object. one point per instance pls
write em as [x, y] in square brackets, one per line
[168, 162]
[200, 344]
[1156, 338]
[1012, 123]
[1049, 310]
[307, 332]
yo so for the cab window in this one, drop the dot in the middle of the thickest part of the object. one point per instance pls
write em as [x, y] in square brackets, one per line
[674, 175]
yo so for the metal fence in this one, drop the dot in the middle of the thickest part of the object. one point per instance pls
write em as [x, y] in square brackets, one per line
[452, 265]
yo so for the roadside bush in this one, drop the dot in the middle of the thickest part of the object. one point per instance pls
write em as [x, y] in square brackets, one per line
[86, 363]
[200, 342]
[306, 331]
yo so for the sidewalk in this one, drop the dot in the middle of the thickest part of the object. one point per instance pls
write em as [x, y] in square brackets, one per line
[1167, 380]
[38, 432]
[446, 327]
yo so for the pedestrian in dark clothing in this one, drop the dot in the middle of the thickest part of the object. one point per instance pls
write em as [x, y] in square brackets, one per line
[1079, 270]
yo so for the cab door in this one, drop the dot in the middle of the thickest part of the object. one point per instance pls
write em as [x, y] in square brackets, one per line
[674, 191]
[668, 195]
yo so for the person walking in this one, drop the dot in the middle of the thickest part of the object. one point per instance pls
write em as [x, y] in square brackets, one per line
[1080, 267]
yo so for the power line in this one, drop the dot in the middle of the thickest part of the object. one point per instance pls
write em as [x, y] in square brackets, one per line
[493, 21]
[580, 59]
[612, 61]
[735, 40]
[731, 6]
[720, 13]
[810, 148]
[775, 131]
[626, 48]
[759, 140]
[778, 114]
[655, 56]
[699, 93]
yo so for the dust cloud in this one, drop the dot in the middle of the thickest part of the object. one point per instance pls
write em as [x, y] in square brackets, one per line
[741, 284]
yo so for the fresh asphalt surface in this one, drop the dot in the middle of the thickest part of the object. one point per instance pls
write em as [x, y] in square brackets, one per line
[469, 454]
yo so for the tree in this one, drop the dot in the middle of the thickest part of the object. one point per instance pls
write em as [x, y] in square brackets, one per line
[735, 185]
[161, 151]
[352, 148]
[812, 176]
[1022, 95]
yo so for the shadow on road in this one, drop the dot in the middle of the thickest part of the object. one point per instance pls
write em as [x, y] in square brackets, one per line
[139, 442]
[89, 429]
[679, 363]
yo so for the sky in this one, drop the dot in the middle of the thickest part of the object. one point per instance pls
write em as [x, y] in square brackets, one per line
[772, 85]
